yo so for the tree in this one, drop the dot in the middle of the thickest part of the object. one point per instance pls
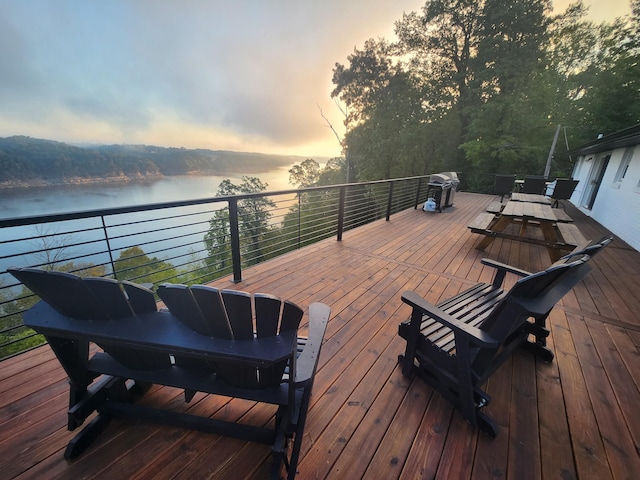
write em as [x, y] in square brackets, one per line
[253, 224]
[305, 174]
[383, 101]
[612, 101]
[480, 87]
[511, 122]
[441, 44]
[334, 172]
[133, 264]
[361, 86]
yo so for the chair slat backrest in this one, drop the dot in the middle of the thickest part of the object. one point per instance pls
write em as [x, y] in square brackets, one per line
[180, 301]
[291, 317]
[542, 290]
[212, 308]
[140, 298]
[588, 248]
[239, 316]
[564, 188]
[239, 312]
[503, 184]
[268, 310]
[108, 293]
[64, 291]
[90, 299]
[534, 184]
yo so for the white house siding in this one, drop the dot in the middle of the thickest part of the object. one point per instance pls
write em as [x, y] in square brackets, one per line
[617, 204]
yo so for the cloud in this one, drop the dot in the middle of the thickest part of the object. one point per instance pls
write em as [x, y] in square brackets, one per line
[242, 74]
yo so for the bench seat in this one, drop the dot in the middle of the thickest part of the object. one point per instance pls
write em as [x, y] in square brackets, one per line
[571, 235]
[495, 207]
[482, 222]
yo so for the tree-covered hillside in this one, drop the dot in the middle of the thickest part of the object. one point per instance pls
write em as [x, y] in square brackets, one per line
[26, 160]
[480, 87]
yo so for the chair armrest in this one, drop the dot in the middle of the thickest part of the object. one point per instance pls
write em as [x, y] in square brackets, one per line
[468, 332]
[505, 267]
[502, 269]
[306, 363]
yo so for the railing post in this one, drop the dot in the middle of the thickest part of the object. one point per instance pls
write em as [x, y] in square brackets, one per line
[417, 201]
[299, 219]
[235, 240]
[341, 203]
[106, 237]
[389, 200]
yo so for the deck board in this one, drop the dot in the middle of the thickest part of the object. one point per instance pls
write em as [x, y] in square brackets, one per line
[573, 418]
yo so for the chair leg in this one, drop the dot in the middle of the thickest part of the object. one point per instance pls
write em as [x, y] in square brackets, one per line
[88, 434]
[487, 425]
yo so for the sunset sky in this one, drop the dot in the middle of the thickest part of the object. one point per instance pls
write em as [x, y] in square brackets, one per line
[244, 75]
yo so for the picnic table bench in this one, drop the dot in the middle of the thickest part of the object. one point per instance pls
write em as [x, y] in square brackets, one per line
[218, 342]
[530, 198]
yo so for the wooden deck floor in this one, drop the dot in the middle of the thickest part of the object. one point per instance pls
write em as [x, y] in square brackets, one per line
[574, 418]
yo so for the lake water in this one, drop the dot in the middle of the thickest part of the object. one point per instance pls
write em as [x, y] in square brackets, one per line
[72, 198]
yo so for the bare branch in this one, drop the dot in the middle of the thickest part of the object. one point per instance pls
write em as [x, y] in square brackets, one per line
[330, 125]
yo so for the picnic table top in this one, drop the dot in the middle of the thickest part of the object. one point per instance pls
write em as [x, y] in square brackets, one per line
[536, 211]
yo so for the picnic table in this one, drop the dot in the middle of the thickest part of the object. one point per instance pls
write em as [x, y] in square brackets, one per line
[558, 231]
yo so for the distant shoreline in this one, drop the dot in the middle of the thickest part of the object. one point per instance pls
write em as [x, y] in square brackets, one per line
[113, 180]
[58, 182]
[27, 162]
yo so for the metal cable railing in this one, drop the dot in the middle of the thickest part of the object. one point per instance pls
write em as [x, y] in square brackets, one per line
[184, 242]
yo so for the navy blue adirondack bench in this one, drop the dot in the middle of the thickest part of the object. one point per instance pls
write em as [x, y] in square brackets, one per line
[219, 342]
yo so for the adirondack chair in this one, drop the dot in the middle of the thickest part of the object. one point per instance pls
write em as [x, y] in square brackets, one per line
[563, 190]
[99, 299]
[540, 331]
[239, 316]
[534, 184]
[220, 342]
[455, 346]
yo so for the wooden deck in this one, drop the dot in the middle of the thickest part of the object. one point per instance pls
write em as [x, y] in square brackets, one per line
[574, 418]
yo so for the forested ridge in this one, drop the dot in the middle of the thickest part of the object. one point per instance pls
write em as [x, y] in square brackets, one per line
[28, 161]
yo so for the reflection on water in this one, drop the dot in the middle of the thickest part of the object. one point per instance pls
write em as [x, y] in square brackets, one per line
[73, 198]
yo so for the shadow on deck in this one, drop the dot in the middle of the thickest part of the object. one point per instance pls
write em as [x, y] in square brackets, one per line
[573, 418]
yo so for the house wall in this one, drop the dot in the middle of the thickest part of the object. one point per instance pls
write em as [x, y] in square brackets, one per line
[617, 204]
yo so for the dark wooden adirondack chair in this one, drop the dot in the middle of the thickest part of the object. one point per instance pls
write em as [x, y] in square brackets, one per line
[230, 314]
[563, 190]
[540, 333]
[534, 184]
[455, 346]
[239, 316]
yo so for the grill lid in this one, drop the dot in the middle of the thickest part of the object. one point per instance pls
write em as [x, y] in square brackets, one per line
[439, 178]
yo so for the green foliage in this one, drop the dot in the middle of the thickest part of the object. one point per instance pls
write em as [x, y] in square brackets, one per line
[305, 174]
[480, 86]
[19, 341]
[253, 225]
[334, 172]
[133, 264]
